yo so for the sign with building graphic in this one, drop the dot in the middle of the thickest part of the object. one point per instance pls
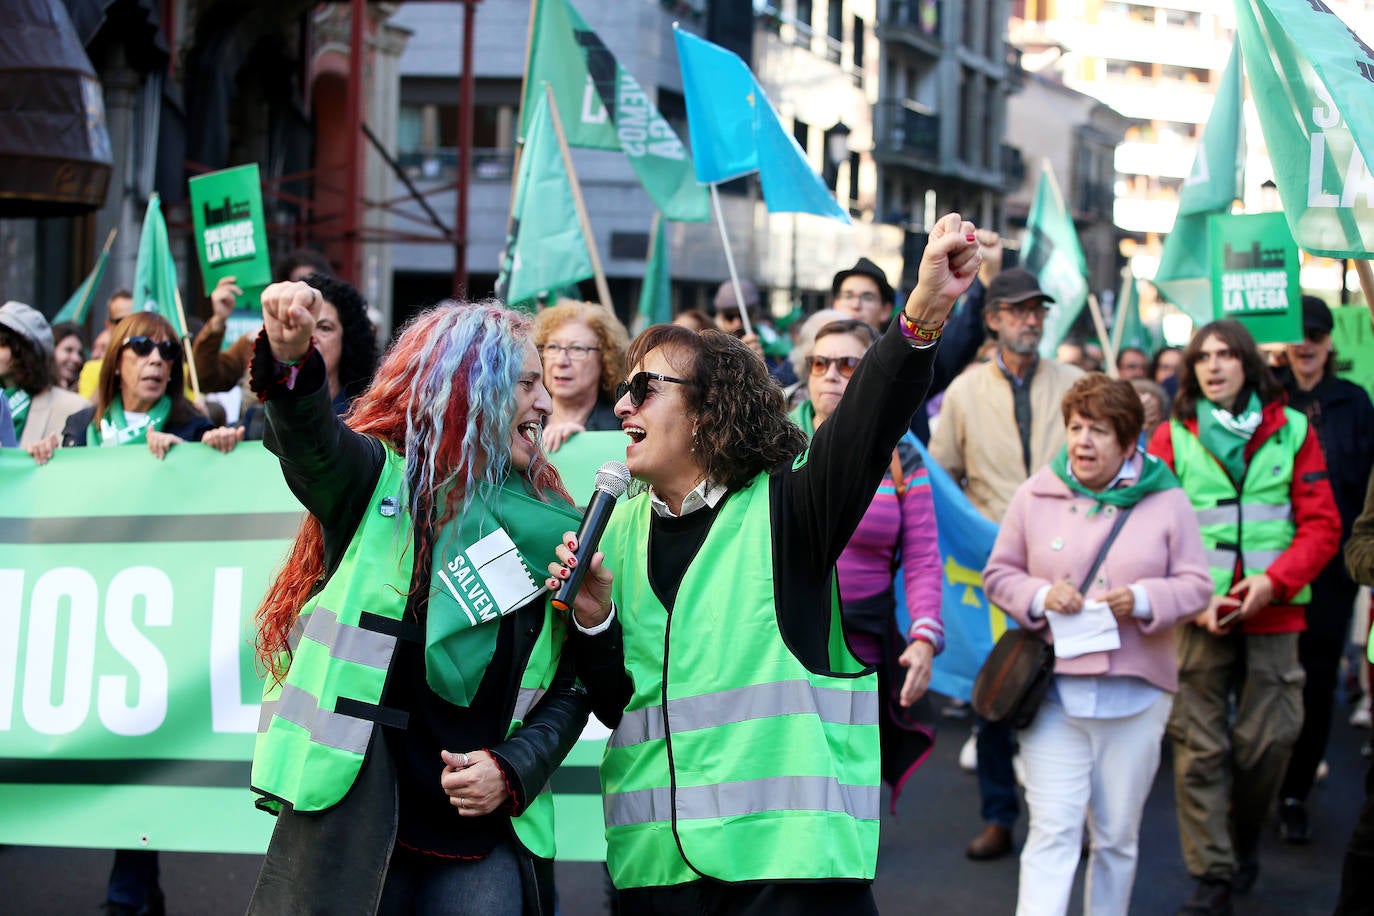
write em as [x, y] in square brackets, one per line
[1255, 275]
[231, 236]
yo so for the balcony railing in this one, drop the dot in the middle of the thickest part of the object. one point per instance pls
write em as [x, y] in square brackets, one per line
[905, 128]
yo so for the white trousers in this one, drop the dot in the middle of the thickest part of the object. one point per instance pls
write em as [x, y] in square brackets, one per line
[1101, 769]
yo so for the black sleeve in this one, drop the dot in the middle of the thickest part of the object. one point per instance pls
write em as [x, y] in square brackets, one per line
[330, 468]
[962, 336]
[74, 431]
[600, 664]
[531, 754]
[826, 497]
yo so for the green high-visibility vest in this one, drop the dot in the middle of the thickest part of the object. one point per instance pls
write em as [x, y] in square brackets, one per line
[315, 726]
[733, 760]
[1255, 523]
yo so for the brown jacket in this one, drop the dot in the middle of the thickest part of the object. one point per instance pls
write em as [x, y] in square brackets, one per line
[220, 370]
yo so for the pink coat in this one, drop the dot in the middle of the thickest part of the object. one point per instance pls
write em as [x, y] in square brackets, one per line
[1047, 534]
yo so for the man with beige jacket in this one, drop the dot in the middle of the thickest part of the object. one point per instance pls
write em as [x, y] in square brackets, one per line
[1000, 422]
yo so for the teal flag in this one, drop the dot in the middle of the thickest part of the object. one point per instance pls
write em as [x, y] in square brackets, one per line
[545, 249]
[1053, 253]
[155, 272]
[1311, 78]
[1129, 330]
[129, 697]
[604, 107]
[1216, 180]
[656, 294]
[79, 305]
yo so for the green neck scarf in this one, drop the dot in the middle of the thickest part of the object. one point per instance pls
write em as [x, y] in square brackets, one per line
[114, 429]
[1225, 434]
[804, 415]
[1154, 476]
[487, 562]
[19, 402]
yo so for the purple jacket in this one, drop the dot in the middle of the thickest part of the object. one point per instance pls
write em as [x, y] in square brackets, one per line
[1047, 534]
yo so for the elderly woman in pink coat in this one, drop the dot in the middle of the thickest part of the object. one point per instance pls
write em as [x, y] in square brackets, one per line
[1093, 748]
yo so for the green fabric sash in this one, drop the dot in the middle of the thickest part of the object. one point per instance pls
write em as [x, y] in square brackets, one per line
[114, 429]
[19, 402]
[804, 415]
[1225, 434]
[488, 562]
[1154, 476]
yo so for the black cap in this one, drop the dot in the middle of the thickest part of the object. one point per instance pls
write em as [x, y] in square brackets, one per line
[865, 268]
[1015, 285]
[1316, 316]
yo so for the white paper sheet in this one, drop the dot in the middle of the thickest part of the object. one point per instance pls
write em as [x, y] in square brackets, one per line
[1092, 629]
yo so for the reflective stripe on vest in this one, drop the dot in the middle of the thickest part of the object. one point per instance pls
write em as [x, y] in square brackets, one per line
[738, 799]
[732, 760]
[1255, 525]
[741, 704]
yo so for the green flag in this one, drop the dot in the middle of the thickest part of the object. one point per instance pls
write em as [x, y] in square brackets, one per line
[604, 107]
[1184, 274]
[155, 272]
[1052, 252]
[1129, 330]
[656, 295]
[79, 305]
[1310, 76]
[545, 249]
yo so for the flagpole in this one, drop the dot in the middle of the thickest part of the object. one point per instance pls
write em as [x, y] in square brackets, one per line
[188, 355]
[642, 320]
[1366, 275]
[1102, 334]
[602, 289]
[730, 261]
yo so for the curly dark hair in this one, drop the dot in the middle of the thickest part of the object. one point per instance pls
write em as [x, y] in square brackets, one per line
[301, 257]
[358, 361]
[741, 414]
[30, 368]
[1113, 401]
[1235, 335]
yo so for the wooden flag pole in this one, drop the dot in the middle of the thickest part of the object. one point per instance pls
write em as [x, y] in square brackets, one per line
[1109, 353]
[187, 355]
[730, 262]
[1366, 275]
[602, 289]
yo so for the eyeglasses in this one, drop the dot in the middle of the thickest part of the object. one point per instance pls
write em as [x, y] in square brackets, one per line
[638, 386]
[865, 298]
[1023, 311]
[728, 315]
[576, 352]
[820, 365]
[169, 350]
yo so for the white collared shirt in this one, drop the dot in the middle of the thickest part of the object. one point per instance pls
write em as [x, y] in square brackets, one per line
[705, 495]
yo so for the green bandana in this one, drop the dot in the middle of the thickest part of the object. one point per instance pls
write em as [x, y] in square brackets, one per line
[1154, 476]
[114, 429]
[19, 402]
[1225, 434]
[509, 538]
[804, 415]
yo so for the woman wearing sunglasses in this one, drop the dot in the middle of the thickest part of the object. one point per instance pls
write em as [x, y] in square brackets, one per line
[897, 532]
[582, 346]
[756, 787]
[141, 397]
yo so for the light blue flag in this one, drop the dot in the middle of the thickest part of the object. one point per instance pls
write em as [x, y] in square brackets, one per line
[972, 625]
[734, 131]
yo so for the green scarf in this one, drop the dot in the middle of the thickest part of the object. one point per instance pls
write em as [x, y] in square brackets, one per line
[19, 402]
[1154, 476]
[1225, 434]
[114, 429]
[487, 563]
[804, 415]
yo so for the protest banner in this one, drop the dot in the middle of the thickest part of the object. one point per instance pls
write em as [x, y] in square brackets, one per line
[1353, 340]
[230, 233]
[1255, 275]
[128, 690]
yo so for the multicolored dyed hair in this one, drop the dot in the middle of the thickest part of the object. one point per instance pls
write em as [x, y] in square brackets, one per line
[444, 398]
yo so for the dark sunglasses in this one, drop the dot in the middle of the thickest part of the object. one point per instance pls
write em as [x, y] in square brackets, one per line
[169, 350]
[820, 365]
[638, 386]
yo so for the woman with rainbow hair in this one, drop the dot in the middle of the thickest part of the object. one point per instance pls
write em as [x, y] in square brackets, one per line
[407, 602]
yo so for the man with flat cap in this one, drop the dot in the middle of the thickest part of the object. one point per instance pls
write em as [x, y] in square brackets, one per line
[999, 424]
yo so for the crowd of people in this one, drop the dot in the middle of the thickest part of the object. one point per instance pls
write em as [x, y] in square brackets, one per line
[1203, 516]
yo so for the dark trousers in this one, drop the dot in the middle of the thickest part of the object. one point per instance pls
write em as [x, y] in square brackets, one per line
[996, 778]
[133, 877]
[1357, 875]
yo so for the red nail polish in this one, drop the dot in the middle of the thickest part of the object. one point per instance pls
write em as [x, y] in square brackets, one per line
[563, 574]
[970, 237]
[572, 562]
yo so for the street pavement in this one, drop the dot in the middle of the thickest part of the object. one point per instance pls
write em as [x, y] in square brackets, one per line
[921, 864]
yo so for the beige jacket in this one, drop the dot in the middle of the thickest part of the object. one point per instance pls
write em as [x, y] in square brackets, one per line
[49, 412]
[976, 440]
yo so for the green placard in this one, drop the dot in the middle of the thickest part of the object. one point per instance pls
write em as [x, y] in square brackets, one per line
[231, 236]
[1353, 340]
[1255, 275]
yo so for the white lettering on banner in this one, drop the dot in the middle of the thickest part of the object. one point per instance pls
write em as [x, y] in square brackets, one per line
[1255, 291]
[11, 590]
[228, 712]
[77, 590]
[150, 586]
[593, 112]
[1356, 179]
[637, 127]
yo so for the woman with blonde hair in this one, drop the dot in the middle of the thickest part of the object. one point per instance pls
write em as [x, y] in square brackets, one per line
[583, 348]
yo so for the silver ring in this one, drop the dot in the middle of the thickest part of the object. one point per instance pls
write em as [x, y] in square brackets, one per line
[460, 803]
[465, 760]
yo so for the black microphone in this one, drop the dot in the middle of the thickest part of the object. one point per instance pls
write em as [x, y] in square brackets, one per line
[612, 480]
